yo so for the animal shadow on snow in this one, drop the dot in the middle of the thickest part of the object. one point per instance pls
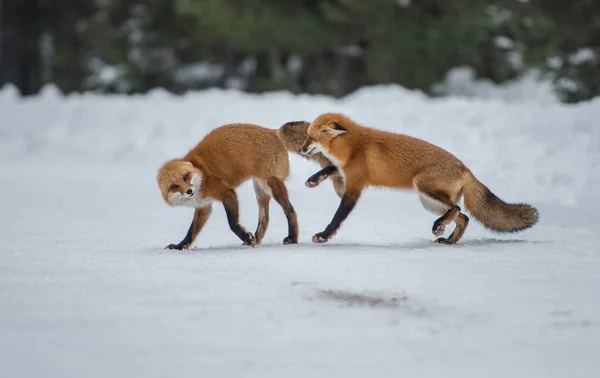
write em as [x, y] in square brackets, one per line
[426, 244]
[422, 244]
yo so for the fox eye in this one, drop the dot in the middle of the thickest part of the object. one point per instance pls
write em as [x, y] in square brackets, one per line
[185, 178]
[174, 186]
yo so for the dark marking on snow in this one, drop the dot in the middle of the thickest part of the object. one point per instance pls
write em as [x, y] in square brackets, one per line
[364, 299]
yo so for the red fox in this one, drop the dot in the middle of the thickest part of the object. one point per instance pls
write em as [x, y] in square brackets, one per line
[371, 157]
[292, 135]
[228, 156]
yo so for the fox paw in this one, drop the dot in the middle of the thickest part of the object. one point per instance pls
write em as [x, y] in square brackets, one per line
[178, 247]
[314, 180]
[312, 184]
[438, 229]
[290, 240]
[443, 241]
[250, 240]
[320, 238]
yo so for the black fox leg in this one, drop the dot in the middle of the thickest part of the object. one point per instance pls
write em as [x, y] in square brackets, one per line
[346, 206]
[439, 226]
[318, 177]
[336, 178]
[441, 204]
[440, 196]
[461, 222]
[230, 203]
[200, 217]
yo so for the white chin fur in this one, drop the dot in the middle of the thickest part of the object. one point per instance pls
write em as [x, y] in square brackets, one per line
[194, 200]
[312, 149]
[332, 158]
[318, 148]
[178, 199]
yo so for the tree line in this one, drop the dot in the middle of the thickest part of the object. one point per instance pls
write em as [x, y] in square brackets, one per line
[304, 46]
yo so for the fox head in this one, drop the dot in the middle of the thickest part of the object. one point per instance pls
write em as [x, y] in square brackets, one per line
[321, 133]
[179, 181]
[293, 134]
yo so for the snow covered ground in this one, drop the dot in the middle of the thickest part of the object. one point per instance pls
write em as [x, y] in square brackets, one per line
[87, 290]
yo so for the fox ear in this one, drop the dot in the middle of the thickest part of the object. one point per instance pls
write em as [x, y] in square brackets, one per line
[336, 129]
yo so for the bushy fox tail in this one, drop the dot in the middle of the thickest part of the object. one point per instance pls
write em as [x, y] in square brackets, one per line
[494, 213]
[292, 135]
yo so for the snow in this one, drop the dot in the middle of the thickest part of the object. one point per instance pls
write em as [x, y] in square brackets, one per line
[88, 290]
[504, 42]
[199, 72]
[531, 87]
[584, 55]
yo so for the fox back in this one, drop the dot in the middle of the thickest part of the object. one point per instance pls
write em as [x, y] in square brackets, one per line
[385, 158]
[237, 152]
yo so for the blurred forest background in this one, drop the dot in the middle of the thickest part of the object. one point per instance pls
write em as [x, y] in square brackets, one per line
[311, 46]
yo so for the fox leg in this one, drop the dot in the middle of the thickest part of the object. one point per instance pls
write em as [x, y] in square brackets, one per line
[461, 222]
[347, 204]
[230, 203]
[338, 184]
[442, 202]
[263, 197]
[280, 194]
[328, 170]
[335, 174]
[200, 217]
[318, 177]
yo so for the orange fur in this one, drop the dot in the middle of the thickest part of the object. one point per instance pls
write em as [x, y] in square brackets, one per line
[371, 157]
[226, 157]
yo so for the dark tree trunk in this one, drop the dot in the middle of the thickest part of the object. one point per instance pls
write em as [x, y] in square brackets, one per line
[20, 62]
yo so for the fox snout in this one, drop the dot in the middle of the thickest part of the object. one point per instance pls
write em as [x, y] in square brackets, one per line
[308, 151]
[308, 148]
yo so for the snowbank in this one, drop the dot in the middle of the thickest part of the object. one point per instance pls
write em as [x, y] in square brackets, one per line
[527, 150]
[533, 86]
